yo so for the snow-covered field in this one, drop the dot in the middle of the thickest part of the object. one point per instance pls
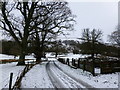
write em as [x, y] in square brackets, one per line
[7, 57]
[71, 56]
[37, 78]
[3, 56]
[6, 69]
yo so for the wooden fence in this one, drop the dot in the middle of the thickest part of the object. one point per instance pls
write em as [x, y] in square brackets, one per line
[90, 65]
[110, 66]
[12, 60]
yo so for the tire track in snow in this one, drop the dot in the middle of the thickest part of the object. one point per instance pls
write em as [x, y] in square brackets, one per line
[60, 79]
[68, 81]
[56, 83]
[87, 86]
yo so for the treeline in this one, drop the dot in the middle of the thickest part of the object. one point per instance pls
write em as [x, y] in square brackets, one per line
[10, 47]
[99, 48]
[63, 47]
[104, 49]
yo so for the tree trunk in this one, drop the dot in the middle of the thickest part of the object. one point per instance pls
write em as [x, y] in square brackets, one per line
[38, 58]
[93, 49]
[93, 60]
[119, 53]
[22, 59]
[92, 55]
[23, 53]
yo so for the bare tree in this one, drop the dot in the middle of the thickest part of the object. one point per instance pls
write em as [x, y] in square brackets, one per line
[114, 38]
[39, 21]
[92, 37]
[55, 17]
[16, 19]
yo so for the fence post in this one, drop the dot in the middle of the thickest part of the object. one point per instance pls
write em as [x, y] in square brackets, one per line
[24, 71]
[74, 61]
[68, 61]
[10, 83]
[28, 66]
[62, 61]
[111, 66]
[33, 62]
[84, 63]
[93, 67]
[78, 63]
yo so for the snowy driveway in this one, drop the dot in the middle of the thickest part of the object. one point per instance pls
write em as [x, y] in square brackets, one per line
[61, 79]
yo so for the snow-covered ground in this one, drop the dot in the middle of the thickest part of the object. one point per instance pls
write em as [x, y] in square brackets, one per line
[5, 70]
[6, 57]
[100, 81]
[37, 77]
[71, 55]
[61, 79]
[3, 56]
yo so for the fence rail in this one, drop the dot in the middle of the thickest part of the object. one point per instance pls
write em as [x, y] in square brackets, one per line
[12, 60]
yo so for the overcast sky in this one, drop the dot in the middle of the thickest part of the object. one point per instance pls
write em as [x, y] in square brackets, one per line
[93, 14]
[99, 15]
